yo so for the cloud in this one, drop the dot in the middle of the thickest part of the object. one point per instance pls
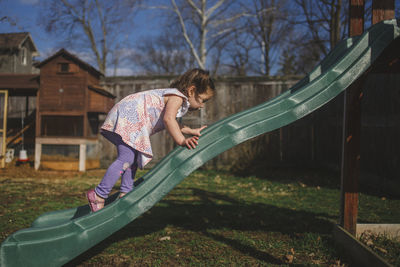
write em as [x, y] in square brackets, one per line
[88, 57]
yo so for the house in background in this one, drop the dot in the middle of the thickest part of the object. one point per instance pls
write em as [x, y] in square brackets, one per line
[16, 53]
[54, 107]
[20, 79]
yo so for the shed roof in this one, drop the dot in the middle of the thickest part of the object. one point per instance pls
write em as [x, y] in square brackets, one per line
[101, 91]
[63, 52]
[15, 40]
[20, 84]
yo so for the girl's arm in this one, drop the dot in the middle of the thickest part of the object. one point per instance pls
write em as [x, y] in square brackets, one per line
[171, 109]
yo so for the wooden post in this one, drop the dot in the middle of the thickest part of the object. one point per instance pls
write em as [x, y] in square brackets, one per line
[382, 10]
[82, 157]
[38, 125]
[351, 133]
[356, 23]
[38, 153]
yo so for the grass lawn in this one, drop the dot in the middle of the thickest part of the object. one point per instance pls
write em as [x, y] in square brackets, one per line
[284, 218]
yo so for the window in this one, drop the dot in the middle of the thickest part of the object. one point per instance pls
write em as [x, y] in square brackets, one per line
[24, 59]
[62, 125]
[64, 67]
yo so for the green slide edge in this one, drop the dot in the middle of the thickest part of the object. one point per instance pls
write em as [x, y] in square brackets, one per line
[57, 237]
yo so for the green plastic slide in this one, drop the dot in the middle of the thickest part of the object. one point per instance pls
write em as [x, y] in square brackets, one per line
[57, 237]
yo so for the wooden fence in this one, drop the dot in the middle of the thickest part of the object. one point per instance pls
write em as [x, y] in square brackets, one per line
[314, 140]
[233, 95]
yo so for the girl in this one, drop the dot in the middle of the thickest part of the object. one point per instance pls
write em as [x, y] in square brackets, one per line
[131, 121]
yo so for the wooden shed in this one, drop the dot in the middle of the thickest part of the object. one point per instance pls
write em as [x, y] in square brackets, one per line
[69, 102]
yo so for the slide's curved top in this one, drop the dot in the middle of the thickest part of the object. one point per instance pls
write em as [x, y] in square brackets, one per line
[57, 237]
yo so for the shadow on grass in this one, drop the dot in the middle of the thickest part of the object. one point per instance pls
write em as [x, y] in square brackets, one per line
[205, 216]
[245, 249]
[323, 177]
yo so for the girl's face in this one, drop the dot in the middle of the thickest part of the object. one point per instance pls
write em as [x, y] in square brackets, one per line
[197, 101]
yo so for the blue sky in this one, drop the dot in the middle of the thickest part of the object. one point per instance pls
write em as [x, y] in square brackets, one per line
[26, 12]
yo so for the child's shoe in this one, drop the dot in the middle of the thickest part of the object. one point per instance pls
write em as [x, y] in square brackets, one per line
[94, 202]
[122, 194]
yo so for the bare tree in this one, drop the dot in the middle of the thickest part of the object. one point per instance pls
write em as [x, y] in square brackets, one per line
[286, 63]
[267, 25]
[204, 24]
[298, 57]
[5, 18]
[239, 58]
[93, 26]
[317, 25]
[325, 21]
[164, 54]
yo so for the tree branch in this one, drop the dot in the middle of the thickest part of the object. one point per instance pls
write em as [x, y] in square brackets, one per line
[193, 5]
[185, 34]
[104, 39]
[213, 8]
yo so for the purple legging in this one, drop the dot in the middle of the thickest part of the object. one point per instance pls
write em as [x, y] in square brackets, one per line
[125, 166]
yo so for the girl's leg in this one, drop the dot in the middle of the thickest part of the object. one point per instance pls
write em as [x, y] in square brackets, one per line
[126, 157]
[127, 179]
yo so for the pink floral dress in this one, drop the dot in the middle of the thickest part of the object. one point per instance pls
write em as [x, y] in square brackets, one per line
[138, 116]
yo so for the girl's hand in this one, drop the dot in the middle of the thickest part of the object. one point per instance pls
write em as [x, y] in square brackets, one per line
[190, 142]
[196, 132]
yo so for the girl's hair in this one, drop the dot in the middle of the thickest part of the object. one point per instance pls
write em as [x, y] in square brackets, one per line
[198, 77]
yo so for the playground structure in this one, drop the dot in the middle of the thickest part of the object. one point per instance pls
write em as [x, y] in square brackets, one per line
[3, 125]
[350, 171]
[57, 237]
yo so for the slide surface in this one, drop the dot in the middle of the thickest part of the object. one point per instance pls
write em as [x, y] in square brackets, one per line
[57, 237]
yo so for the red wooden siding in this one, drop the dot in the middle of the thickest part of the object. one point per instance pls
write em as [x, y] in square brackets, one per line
[65, 97]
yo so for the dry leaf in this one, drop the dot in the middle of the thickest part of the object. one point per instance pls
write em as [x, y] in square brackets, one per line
[337, 264]
[381, 250]
[289, 258]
